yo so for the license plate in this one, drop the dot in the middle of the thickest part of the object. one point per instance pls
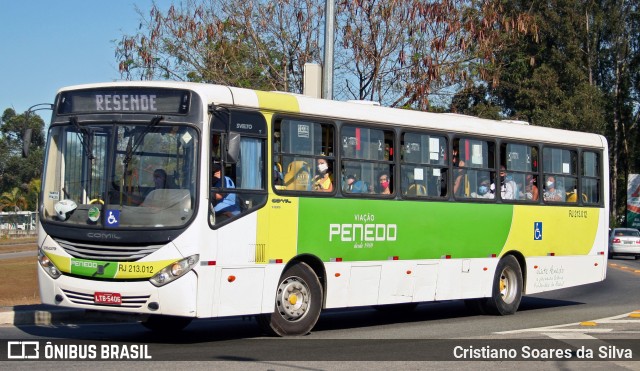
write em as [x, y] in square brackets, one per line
[107, 298]
[628, 242]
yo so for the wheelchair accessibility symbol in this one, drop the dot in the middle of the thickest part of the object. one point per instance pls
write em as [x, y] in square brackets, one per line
[113, 218]
[537, 231]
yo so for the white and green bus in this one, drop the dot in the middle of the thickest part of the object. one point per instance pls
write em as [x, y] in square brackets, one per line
[408, 206]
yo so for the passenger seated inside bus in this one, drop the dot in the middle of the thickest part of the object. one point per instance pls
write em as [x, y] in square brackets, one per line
[485, 189]
[459, 179]
[323, 181]
[508, 187]
[530, 189]
[384, 184]
[352, 185]
[552, 190]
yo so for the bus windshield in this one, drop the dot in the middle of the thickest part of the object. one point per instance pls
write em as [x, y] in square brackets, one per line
[140, 175]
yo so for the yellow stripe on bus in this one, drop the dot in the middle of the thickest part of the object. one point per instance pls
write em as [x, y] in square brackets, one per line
[277, 227]
[565, 230]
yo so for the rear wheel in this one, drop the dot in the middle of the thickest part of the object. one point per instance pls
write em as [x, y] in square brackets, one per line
[297, 305]
[507, 287]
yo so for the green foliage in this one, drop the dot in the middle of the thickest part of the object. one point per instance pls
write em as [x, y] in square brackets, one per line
[19, 175]
[475, 101]
[13, 200]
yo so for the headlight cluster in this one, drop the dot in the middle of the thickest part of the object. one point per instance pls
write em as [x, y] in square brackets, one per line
[47, 265]
[174, 270]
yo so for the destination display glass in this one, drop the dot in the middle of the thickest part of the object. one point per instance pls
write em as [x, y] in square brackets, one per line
[165, 101]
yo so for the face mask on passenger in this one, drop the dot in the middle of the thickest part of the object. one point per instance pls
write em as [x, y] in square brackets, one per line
[483, 189]
[323, 167]
[550, 184]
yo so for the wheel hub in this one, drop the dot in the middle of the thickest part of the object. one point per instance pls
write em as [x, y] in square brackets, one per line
[507, 285]
[293, 298]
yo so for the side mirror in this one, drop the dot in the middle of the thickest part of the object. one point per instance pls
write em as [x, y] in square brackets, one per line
[233, 148]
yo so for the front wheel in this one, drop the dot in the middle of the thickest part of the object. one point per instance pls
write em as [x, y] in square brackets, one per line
[297, 305]
[507, 287]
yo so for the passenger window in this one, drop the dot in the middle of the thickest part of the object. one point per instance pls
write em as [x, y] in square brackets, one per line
[367, 165]
[423, 165]
[473, 165]
[590, 186]
[560, 175]
[303, 158]
[518, 175]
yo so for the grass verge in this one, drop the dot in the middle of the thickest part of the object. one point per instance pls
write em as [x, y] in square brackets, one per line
[19, 281]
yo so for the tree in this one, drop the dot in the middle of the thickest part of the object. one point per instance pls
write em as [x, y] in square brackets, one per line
[261, 45]
[396, 52]
[13, 200]
[16, 171]
[404, 53]
[32, 192]
[619, 77]
[544, 78]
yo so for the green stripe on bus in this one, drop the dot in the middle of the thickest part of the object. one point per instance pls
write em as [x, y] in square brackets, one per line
[93, 268]
[360, 230]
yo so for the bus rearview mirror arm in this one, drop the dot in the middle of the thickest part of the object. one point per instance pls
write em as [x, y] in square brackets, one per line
[26, 136]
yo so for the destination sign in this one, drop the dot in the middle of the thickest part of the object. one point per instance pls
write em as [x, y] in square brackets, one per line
[124, 101]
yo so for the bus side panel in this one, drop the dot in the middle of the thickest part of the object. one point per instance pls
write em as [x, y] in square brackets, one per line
[426, 277]
[337, 290]
[548, 273]
[240, 291]
[397, 283]
[237, 242]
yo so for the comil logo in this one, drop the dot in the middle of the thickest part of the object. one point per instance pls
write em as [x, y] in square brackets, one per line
[23, 350]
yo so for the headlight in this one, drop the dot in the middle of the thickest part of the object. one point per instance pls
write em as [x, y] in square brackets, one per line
[174, 270]
[47, 265]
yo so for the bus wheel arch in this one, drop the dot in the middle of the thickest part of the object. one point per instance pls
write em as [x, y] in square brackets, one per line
[298, 301]
[508, 286]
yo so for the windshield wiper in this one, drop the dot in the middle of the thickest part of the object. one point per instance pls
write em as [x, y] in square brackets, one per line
[131, 148]
[82, 131]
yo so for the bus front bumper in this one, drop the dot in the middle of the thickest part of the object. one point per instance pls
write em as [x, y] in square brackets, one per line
[177, 298]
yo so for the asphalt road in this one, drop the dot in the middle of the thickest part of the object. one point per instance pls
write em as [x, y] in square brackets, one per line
[589, 316]
[18, 254]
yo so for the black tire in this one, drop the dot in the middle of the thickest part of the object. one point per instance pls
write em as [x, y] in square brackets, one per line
[507, 287]
[297, 305]
[166, 324]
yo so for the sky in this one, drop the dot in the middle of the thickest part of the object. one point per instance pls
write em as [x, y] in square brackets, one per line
[46, 45]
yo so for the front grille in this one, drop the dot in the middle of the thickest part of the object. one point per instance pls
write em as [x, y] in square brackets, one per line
[87, 299]
[106, 253]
